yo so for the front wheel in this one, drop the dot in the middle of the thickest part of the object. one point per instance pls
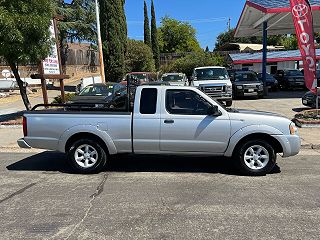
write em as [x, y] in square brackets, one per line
[87, 156]
[255, 158]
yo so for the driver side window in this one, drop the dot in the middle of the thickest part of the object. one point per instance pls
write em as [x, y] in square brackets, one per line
[186, 102]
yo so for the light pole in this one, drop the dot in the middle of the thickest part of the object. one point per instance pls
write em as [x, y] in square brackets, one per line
[102, 73]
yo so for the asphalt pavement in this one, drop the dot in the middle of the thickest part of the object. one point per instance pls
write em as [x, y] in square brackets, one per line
[152, 197]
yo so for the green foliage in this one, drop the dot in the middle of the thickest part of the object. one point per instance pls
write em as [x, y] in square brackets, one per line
[24, 34]
[58, 99]
[139, 57]
[207, 49]
[194, 60]
[79, 23]
[154, 37]
[114, 37]
[24, 30]
[147, 37]
[176, 37]
[290, 42]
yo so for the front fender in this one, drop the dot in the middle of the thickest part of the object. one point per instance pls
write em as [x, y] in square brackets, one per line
[86, 129]
[246, 131]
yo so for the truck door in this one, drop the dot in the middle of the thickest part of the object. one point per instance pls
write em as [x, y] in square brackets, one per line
[146, 122]
[186, 126]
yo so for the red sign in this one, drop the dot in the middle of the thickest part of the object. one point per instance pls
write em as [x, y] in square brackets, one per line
[303, 22]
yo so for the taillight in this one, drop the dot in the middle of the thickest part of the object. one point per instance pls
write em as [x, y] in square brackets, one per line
[24, 124]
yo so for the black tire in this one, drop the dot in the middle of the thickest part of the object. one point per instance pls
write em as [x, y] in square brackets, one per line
[229, 103]
[101, 157]
[239, 158]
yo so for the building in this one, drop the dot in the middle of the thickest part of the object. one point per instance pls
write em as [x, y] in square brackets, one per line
[278, 60]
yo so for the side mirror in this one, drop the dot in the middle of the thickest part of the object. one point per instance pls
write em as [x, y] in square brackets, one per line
[214, 111]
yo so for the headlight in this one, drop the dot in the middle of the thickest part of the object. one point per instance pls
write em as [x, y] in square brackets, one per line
[239, 87]
[260, 87]
[275, 81]
[293, 129]
[229, 88]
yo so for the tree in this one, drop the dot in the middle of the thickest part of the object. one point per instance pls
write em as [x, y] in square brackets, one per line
[290, 42]
[147, 37]
[139, 57]
[176, 37]
[114, 37]
[79, 24]
[194, 60]
[154, 37]
[24, 35]
[207, 49]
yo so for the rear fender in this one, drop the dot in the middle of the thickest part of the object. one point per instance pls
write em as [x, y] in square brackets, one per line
[87, 129]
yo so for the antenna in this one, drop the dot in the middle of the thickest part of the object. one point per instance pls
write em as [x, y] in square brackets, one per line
[229, 24]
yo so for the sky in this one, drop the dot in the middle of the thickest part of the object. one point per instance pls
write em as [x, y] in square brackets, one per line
[208, 17]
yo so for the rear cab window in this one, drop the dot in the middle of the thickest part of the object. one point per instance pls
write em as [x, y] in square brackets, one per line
[148, 101]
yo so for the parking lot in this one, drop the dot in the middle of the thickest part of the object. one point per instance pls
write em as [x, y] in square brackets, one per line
[151, 197]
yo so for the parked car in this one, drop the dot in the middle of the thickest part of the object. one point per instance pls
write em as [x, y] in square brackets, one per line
[143, 77]
[271, 82]
[164, 120]
[290, 79]
[247, 84]
[175, 79]
[99, 95]
[215, 82]
[309, 99]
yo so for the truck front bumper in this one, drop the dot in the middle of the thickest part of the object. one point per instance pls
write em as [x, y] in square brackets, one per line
[23, 144]
[291, 144]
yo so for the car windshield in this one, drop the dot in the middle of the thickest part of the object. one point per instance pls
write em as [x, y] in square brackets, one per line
[211, 74]
[172, 78]
[96, 90]
[294, 73]
[246, 77]
[269, 76]
[140, 76]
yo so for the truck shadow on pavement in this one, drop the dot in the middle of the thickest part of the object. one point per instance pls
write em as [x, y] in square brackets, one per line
[57, 162]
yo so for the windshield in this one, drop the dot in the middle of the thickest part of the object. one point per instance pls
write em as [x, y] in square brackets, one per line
[246, 77]
[100, 90]
[172, 78]
[141, 76]
[294, 73]
[211, 74]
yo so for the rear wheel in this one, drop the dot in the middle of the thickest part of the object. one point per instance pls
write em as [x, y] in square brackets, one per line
[255, 158]
[87, 156]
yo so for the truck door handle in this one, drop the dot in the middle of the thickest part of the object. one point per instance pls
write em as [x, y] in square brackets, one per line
[168, 121]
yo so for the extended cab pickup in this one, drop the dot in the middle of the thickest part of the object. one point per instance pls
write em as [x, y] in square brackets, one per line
[165, 120]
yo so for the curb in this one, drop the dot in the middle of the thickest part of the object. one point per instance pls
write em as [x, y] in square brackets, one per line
[4, 126]
[310, 146]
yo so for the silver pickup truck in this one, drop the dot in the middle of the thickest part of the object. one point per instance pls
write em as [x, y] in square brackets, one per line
[165, 120]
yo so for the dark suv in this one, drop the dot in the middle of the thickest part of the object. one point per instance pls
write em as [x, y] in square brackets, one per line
[247, 84]
[290, 79]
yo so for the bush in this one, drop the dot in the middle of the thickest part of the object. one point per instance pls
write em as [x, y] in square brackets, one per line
[58, 99]
[194, 60]
[139, 57]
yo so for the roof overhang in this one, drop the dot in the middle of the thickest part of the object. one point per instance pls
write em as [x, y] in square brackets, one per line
[276, 13]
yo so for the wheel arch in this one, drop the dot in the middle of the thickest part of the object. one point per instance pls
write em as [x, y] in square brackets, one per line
[255, 132]
[86, 131]
[260, 136]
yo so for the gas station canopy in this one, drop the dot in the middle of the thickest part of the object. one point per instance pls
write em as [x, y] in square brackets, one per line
[278, 15]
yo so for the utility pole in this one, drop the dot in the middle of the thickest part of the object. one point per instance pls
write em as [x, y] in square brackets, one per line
[102, 73]
[229, 24]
